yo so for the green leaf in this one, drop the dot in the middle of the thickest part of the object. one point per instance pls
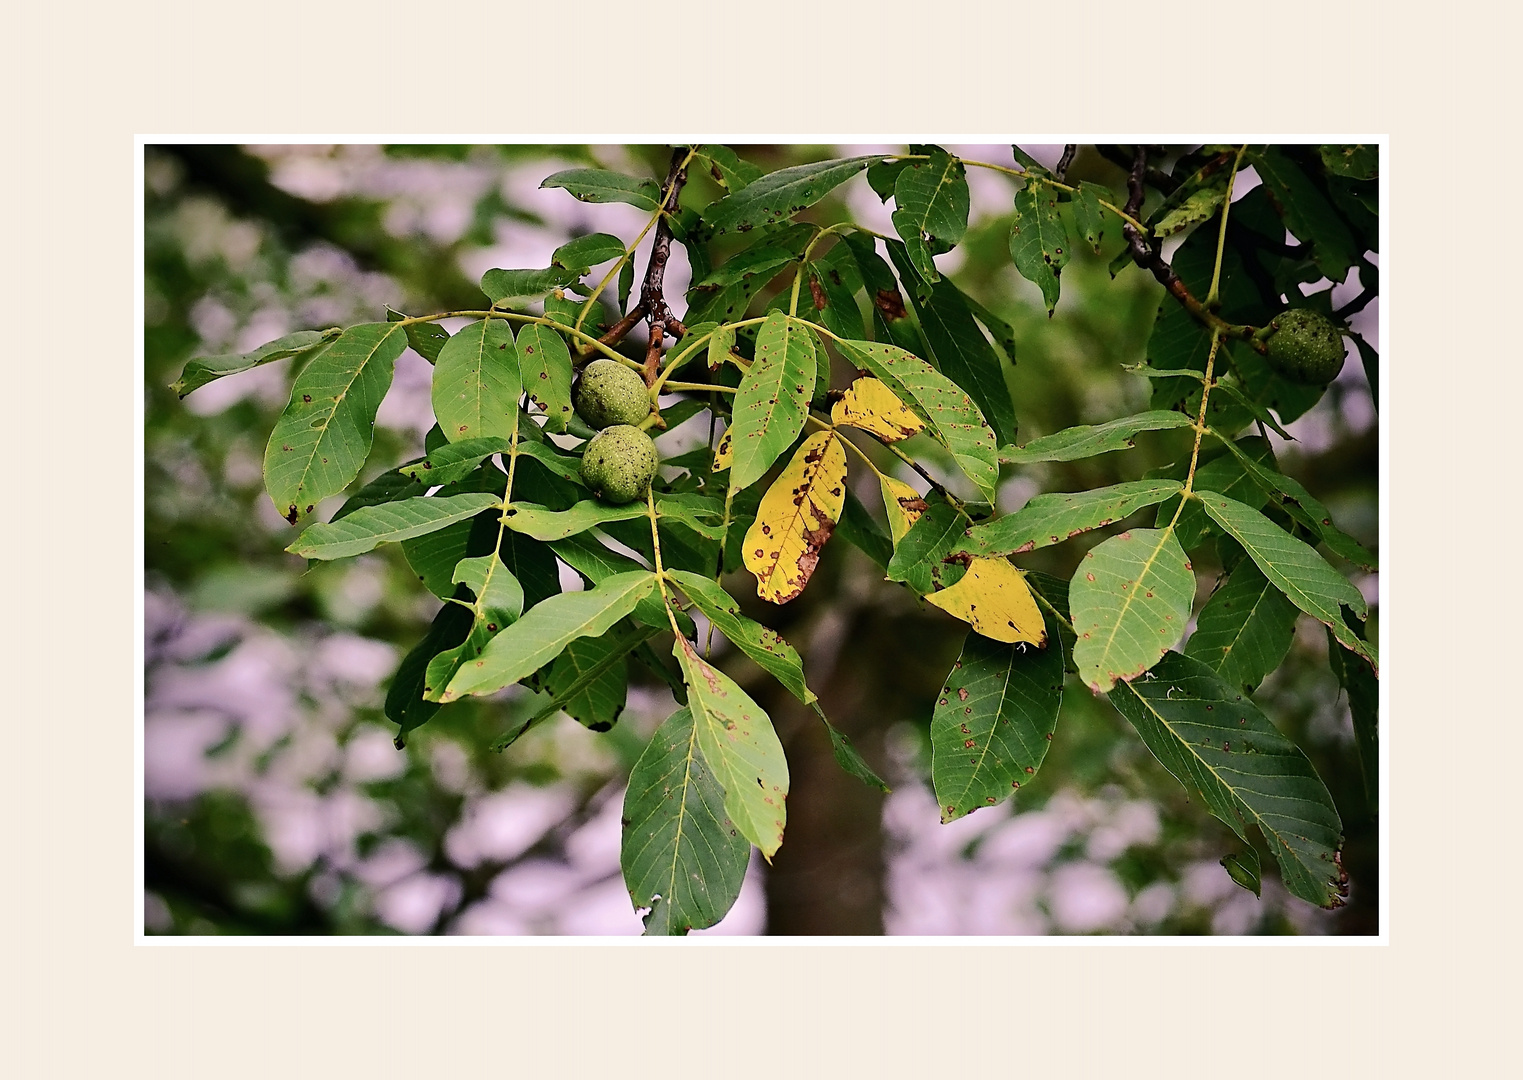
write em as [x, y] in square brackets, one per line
[433, 556]
[499, 598]
[917, 558]
[950, 415]
[504, 286]
[834, 301]
[1307, 212]
[851, 762]
[626, 283]
[388, 487]
[1130, 598]
[1296, 569]
[427, 339]
[773, 399]
[1243, 868]
[993, 721]
[1358, 678]
[736, 739]
[766, 647]
[958, 346]
[1089, 215]
[858, 529]
[1053, 518]
[775, 250]
[372, 526]
[1086, 440]
[1245, 629]
[322, 438]
[1358, 162]
[476, 383]
[205, 369]
[546, 365]
[602, 186]
[1217, 744]
[1039, 241]
[1223, 473]
[562, 465]
[532, 563]
[720, 344]
[547, 628]
[883, 176]
[597, 563]
[680, 854]
[456, 460]
[727, 168]
[779, 195]
[1001, 331]
[591, 680]
[543, 524]
[587, 251]
[405, 705]
[931, 209]
[1300, 504]
[1195, 201]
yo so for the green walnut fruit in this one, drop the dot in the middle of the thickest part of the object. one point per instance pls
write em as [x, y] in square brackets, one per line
[619, 463]
[1304, 347]
[609, 393]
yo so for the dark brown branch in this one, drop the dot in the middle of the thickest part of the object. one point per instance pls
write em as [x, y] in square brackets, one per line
[618, 330]
[652, 296]
[1069, 150]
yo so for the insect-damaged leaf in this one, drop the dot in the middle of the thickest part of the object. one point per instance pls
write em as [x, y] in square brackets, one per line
[546, 365]
[779, 195]
[949, 413]
[322, 438]
[1053, 518]
[773, 398]
[931, 209]
[1217, 743]
[1244, 631]
[1130, 599]
[1089, 215]
[1089, 440]
[205, 369]
[602, 185]
[796, 517]
[994, 599]
[738, 742]
[476, 383]
[870, 405]
[681, 856]
[547, 628]
[993, 722]
[1039, 241]
[1295, 568]
[371, 526]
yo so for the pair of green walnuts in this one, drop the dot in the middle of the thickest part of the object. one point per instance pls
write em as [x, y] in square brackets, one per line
[620, 460]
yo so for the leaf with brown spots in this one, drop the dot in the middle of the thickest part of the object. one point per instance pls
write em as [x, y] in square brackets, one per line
[773, 398]
[994, 599]
[546, 365]
[740, 746]
[724, 453]
[765, 646]
[1055, 517]
[1130, 599]
[476, 383]
[1217, 744]
[903, 504]
[993, 722]
[796, 517]
[950, 414]
[870, 405]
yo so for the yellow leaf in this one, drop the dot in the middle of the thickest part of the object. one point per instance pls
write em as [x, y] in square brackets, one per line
[994, 599]
[903, 503]
[722, 452]
[796, 517]
[870, 405]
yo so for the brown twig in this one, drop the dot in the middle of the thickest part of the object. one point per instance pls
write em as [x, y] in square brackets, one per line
[1148, 255]
[1069, 150]
[618, 330]
[652, 291]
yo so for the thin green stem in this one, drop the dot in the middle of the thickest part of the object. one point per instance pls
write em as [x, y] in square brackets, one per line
[1221, 235]
[1200, 428]
[700, 387]
[655, 541]
[538, 320]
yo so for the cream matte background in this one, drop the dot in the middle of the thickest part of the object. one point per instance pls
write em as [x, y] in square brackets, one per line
[81, 1000]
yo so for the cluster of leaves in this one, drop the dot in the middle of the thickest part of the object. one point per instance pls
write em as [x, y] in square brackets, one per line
[496, 506]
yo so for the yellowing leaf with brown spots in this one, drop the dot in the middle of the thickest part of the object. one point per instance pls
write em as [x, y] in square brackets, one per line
[994, 599]
[904, 505]
[724, 453]
[870, 405]
[796, 517]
